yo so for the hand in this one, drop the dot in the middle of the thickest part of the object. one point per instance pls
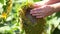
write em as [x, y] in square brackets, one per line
[39, 4]
[42, 11]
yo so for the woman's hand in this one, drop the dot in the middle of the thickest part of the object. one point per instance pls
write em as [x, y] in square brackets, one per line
[39, 4]
[43, 11]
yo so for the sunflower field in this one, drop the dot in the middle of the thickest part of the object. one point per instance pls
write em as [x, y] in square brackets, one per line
[15, 19]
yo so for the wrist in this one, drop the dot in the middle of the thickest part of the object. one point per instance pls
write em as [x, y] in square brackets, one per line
[54, 8]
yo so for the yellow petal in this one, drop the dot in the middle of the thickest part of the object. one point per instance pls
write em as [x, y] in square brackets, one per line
[4, 15]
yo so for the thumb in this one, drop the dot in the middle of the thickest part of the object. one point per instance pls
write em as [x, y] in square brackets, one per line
[36, 5]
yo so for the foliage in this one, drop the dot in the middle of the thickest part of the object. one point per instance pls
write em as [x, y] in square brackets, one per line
[10, 24]
[9, 18]
[2, 1]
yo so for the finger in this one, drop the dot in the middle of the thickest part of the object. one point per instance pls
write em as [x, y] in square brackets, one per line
[36, 5]
[36, 10]
[36, 14]
[39, 16]
[33, 11]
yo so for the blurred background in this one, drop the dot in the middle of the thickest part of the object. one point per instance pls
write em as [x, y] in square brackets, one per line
[9, 18]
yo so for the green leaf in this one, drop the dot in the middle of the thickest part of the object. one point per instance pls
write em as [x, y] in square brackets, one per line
[54, 19]
[2, 1]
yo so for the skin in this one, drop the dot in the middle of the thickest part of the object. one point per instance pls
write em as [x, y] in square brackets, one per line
[47, 8]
